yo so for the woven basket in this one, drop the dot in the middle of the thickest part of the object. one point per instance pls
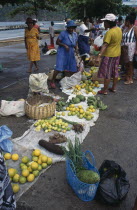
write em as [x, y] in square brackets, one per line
[33, 110]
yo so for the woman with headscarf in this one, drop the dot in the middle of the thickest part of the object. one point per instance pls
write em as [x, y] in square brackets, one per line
[66, 61]
[130, 42]
[110, 53]
[31, 44]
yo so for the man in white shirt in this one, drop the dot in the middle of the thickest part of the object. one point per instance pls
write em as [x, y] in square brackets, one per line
[52, 34]
[83, 39]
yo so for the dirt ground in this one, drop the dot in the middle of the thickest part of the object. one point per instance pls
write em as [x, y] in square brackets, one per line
[114, 137]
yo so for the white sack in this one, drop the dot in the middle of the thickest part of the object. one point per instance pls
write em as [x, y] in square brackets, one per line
[68, 82]
[38, 83]
[12, 108]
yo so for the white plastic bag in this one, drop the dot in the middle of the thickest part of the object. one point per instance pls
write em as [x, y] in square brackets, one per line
[12, 108]
[38, 83]
[99, 41]
[68, 82]
[51, 52]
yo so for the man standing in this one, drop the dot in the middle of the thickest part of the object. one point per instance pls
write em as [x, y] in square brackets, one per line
[52, 34]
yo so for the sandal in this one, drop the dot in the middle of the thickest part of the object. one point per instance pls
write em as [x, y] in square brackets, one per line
[52, 85]
[112, 90]
[102, 92]
[127, 83]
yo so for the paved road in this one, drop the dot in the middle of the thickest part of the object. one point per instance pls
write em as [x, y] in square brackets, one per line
[114, 137]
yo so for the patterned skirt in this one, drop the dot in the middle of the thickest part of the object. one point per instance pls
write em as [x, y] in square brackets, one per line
[108, 67]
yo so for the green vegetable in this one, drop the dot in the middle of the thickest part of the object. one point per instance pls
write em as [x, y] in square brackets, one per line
[74, 153]
[88, 176]
[96, 102]
[76, 100]
[60, 105]
[81, 97]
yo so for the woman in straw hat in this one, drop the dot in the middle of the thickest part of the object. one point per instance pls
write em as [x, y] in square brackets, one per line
[110, 54]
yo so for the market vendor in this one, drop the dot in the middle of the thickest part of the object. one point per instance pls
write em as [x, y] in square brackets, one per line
[110, 54]
[66, 61]
[83, 39]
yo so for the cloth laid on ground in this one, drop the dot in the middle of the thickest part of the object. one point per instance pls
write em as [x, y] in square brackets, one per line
[12, 108]
[29, 141]
[83, 92]
[22, 151]
[78, 120]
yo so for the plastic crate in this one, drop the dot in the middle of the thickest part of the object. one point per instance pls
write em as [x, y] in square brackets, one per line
[86, 192]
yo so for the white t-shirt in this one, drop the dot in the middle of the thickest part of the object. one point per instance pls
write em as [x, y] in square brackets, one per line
[51, 31]
[82, 29]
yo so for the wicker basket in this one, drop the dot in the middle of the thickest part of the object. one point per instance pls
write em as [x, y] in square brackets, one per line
[33, 110]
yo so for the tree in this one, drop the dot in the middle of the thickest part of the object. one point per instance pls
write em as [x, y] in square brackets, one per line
[97, 8]
[32, 6]
[12, 2]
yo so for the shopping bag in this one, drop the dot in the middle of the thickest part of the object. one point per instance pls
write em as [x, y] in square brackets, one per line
[68, 82]
[114, 184]
[5, 144]
[98, 41]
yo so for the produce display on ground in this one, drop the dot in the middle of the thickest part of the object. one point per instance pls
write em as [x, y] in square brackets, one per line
[24, 169]
[73, 117]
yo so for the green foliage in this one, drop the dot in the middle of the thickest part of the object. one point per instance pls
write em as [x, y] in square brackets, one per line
[12, 2]
[32, 7]
[28, 10]
[97, 8]
[74, 153]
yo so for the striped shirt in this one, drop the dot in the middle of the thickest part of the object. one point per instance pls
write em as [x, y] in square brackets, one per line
[129, 37]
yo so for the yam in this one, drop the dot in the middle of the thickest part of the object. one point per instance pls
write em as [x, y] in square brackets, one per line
[51, 147]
